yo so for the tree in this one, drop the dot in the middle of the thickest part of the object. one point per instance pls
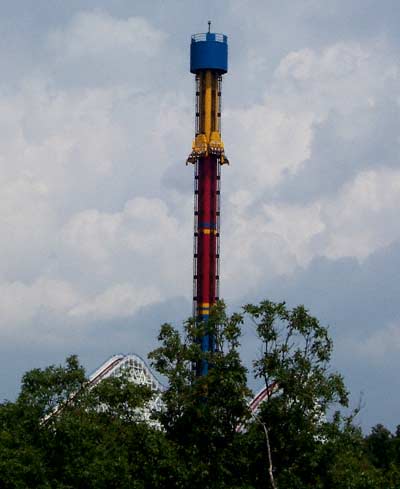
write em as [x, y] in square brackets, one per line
[64, 433]
[382, 451]
[22, 435]
[61, 433]
[294, 365]
[202, 414]
[380, 447]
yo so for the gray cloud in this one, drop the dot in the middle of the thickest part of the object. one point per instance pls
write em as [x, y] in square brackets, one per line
[96, 121]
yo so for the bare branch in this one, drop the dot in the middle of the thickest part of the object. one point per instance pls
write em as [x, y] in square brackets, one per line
[269, 454]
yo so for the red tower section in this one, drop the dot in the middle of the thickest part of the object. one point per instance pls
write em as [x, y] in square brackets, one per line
[206, 239]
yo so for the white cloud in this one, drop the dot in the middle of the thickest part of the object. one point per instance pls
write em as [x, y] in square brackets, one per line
[142, 241]
[364, 216]
[56, 149]
[343, 77]
[92, 233]
[27, 226]
[120, 300]
[20, 302]
[56, 135]
[273, 139]
[251, 248]
[267, 143]
[138, 227]
[49, 311]
[297, 226]
[97, 33]
[356, 222]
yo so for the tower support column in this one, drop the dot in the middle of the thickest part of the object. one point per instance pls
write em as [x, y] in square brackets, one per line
[208, 61]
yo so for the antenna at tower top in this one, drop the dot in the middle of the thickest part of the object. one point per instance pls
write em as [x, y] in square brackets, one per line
[209, 26]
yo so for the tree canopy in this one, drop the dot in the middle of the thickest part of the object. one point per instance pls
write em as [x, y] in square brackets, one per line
[63, 432]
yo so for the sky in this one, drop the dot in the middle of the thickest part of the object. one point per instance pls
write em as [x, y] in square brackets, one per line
[96, 204]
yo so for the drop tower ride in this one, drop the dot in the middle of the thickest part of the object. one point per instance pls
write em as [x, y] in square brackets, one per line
[208, 62]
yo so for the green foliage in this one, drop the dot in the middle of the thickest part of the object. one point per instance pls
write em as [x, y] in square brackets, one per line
[380, 447]
[294, 363]
[59, 433]
[63, 433]
[202, 414]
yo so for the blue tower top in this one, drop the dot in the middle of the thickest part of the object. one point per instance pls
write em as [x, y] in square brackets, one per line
[209, 51]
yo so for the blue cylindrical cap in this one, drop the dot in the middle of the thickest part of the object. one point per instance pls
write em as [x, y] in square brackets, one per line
[209, 51]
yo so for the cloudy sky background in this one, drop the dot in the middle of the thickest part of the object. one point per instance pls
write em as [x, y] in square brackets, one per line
[96, 121]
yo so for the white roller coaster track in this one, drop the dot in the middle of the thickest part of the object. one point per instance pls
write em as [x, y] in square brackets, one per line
[139, 373]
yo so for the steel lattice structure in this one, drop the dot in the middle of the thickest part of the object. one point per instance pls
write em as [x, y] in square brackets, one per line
[139, 373]
[208, 62]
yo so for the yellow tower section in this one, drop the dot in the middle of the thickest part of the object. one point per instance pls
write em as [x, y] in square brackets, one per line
[208, 139]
